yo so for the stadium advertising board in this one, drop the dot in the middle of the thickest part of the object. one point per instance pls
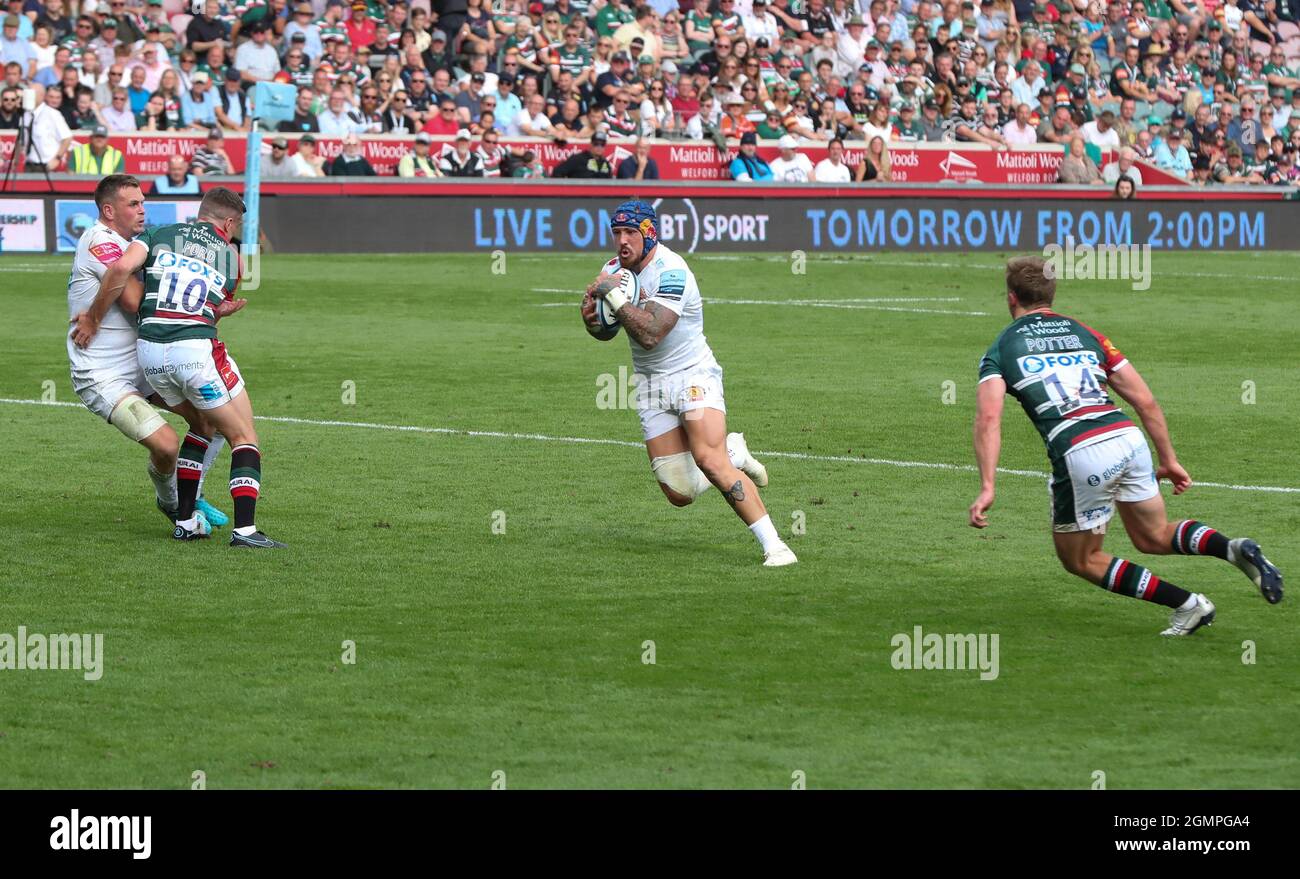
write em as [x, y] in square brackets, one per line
[147, 155]
[22, 225]
[844, 225]
[72, 217]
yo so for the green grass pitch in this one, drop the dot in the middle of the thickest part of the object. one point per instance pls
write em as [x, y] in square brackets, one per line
[522, 652]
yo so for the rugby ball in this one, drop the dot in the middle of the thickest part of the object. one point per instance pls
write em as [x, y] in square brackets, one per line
[631, 287]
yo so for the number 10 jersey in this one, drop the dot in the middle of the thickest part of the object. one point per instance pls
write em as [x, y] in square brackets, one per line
[190, 270]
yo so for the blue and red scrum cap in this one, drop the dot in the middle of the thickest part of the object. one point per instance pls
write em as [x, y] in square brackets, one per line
[641, 216]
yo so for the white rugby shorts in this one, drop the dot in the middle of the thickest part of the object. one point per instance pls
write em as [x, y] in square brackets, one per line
[198, 370]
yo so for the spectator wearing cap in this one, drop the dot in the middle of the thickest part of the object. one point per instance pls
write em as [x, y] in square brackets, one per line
[178, 180]
[104, 46]
[791, 166]
[614, 80]
[278, 164]
[1231, 168]
[306, 162]
[302, 21]
[460, 160]
[199, 102]
[761, 24]
[15, 48]
[233, 114]
[639, 165]
[207, 29]
[256, 59]
[907, 125]
[438, 55]
[851, 47]
[351, 161]
[469, 102]
[1171, 155]
[156, 26]
[748, 166]
[588, 163]
[117, 114]
[212, 158]
[339, 119]
[360, 27]
[508, 104]
[418, 162]
[97, 156]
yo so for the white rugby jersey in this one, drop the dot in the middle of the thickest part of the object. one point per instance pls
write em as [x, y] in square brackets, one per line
[98, 248]
[666, 279]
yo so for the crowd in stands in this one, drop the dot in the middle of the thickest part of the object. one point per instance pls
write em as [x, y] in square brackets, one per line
[1207, 90]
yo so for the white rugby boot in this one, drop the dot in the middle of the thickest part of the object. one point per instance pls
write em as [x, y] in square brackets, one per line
[743, 461]
[1184, 622]
[779, 557]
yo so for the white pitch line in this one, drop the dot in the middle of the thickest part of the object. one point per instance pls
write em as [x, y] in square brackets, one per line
[593, 441]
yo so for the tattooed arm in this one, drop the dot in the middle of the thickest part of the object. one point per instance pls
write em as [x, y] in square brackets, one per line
[648, 325]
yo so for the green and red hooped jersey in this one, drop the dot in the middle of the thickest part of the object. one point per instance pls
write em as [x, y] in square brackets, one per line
[1058, 368]
[191, 269]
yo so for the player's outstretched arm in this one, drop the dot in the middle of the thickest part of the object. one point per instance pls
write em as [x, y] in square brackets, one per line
[648, 325]
[1129, 384]
[988, 445]
[110, 288]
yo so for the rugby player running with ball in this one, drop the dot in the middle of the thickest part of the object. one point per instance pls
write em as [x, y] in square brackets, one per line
[679, 398]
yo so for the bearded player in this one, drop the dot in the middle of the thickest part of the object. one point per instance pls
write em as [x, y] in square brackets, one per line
[679, 400]
[188, 286]
[106, 374]
[1059, 370]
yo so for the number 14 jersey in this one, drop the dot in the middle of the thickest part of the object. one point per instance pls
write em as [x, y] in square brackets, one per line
[185, 278]
[1058, 369]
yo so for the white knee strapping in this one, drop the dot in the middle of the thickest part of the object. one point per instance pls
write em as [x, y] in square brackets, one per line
[680, 473]
[136, 418]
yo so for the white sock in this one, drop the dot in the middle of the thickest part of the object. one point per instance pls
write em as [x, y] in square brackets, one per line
[1232, 552]
[1189, 603]
[189, 524]
[765, 531]
[210, 457]
[246, 530]
[163, 486]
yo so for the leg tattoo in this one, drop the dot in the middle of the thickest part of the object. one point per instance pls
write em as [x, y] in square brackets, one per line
[735, 494]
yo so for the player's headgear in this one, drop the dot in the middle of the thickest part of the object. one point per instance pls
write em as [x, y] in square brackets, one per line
[638, 215]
